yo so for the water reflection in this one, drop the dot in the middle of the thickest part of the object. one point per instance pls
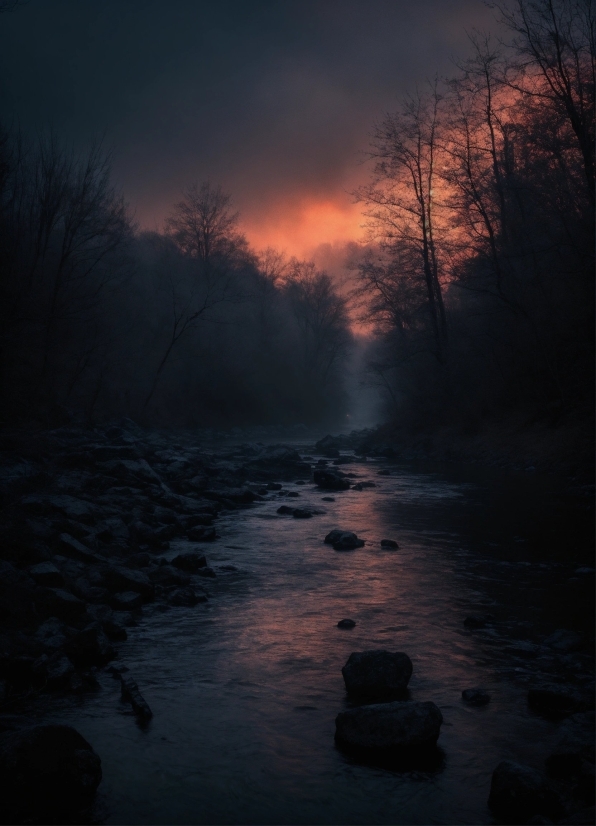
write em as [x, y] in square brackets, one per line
[245, 690]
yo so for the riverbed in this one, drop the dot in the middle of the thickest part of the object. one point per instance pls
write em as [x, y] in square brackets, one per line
[245, 688]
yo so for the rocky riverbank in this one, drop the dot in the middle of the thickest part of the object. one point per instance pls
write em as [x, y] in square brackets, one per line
[87, 518]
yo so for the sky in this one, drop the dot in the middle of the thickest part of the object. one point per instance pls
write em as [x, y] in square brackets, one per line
[275, 100]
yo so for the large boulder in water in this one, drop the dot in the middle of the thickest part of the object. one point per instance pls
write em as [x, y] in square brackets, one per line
[46, 770]
[377, 676]
[343, 540]
[518, 792]
[330, 480]
[397, 726]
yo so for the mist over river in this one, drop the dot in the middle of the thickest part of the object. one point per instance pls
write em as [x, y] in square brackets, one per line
[245, 688]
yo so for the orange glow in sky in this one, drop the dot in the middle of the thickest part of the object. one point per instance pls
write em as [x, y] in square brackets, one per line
[297, 227]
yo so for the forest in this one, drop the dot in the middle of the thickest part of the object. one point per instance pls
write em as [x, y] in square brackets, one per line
[476, 282]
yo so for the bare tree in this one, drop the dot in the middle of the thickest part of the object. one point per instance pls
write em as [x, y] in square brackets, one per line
[204, 229]
[401, 201]
[556, 43]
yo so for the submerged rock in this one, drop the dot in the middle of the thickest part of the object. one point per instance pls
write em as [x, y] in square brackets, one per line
[346, 623]
[518, 792]
[389, 543]
[478, 620]
[377, 676]
[475, 697]
[131, 693]
[396, 726]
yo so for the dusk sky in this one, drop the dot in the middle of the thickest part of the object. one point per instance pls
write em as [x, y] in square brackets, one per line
[273, 99]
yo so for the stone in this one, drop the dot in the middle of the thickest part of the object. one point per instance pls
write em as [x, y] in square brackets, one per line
[363, 485]
[186, 597]
[71, 547]
[127, 601]
[377, 675]
[56, 602]
[46, 770]
[168, 576]
[202, 534]
[396, 726]
[575, 746]
[59, 673]
[478, 620]
[207, 572]
[343, 540]
[583, 817]
[17, 595]
[286, 510]
[552, 699]
[124, 579]
[189, 561]
[475, 697]
[389, 544]
[330, 480]
[89, 647]
[114, 631]
[346, 623]
[518, 792]
[327, 499]
[131, 693]
[46, 573]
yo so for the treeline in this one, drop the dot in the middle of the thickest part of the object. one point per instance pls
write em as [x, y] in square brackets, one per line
[480, 271]
[187, 327]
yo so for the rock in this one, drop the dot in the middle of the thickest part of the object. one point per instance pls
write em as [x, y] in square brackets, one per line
[556, 700]
[59, 673]
[114, 631]
[138, 560]
[584, 817]
[395, 726]
[343, 540]
[329, 480]
[346, 623]
[125, 579]
[475, 697]
[127, 601]
[384, 472]
[23, 672]
[478, 621]
[168, 576]
[575, 747]
[46, 573]
[563, 640]
[286, 510]
[131, 693]
[293, 494]
[202, 534]
[327, 499]
[71, 547]
[89, 647]
[389, 543]
[303, 513]
[377, 676]
[273, 486]
[363, 485]
[518, 792]
[56, 602]
[17, 595]
[46, 770]
[186, 597]
[189, 561]
[207, 572]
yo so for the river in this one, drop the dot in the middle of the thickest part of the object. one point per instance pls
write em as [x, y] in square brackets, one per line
[245, 689]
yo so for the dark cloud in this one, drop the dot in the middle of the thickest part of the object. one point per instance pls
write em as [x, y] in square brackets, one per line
[272, 98]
